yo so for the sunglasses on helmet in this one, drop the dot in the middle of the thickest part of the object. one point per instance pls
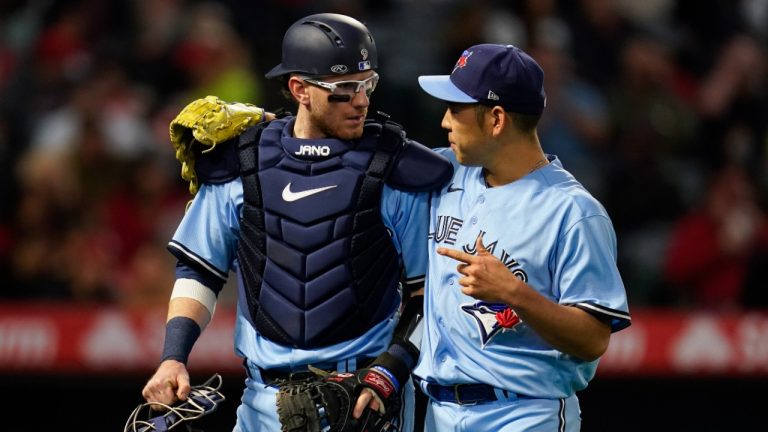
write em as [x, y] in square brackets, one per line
[347, 88]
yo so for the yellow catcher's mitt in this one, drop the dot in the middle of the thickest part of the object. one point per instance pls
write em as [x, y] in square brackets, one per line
[209, 121]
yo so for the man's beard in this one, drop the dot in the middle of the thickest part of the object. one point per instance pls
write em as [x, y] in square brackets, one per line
[338, 132]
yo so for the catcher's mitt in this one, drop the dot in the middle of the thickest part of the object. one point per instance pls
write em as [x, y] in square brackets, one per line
[209, 121]
[158, 417]
[324, 402]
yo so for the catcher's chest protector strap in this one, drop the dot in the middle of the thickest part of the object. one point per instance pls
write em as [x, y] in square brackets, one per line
[317, 264]
[415, 168]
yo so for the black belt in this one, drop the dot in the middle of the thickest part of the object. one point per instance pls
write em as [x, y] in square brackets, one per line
[269, 376]
[462, 394]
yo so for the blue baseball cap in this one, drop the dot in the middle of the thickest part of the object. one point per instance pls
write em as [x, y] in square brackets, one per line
[492, 74]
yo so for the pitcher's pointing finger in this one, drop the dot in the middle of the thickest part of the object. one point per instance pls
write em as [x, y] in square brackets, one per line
[457, 255]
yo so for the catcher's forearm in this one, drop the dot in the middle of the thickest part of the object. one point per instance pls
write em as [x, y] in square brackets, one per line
[407, 336]
[186, 319]
[402, 354]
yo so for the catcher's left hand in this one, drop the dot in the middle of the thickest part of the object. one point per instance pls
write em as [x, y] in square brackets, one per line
[325, 403]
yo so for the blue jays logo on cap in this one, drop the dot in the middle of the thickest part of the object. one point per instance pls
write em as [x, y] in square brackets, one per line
[462, 60]
[492, 74]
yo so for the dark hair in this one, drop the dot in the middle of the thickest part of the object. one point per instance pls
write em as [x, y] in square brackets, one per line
[284, 90]
[525, 123]
[480, 111]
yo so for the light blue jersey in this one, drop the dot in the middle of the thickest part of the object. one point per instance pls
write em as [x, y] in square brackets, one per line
[208, 234]
[565, 249]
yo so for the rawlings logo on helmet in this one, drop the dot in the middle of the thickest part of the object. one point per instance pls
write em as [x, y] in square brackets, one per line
[339, 69]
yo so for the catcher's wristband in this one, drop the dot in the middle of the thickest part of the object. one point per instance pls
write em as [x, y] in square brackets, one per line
[181, 333]
[396, 369]
[390, 377]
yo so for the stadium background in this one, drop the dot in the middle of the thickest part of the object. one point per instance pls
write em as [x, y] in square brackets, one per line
[659, 107]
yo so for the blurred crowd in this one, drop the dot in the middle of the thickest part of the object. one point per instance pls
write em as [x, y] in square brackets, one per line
[659, 107]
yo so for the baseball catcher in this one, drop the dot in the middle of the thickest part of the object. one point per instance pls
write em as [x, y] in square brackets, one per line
[322, 217]
[157, 417]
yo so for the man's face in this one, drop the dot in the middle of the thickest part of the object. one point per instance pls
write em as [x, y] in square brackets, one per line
[340, 119]
[466, 134]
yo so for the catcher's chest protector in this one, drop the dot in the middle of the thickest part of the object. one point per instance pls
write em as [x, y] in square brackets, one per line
[316, 261]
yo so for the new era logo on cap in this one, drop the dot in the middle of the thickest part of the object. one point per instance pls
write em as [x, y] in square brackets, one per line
[492, 74]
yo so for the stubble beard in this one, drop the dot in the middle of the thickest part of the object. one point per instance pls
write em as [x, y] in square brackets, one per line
[337, 131]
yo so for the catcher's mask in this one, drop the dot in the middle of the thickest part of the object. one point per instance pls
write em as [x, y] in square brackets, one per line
[326, 44]
[157, 417]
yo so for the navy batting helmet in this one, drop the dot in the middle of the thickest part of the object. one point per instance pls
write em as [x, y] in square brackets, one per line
[326, 44]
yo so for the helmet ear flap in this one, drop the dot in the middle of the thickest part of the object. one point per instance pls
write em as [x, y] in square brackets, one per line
[326, 44]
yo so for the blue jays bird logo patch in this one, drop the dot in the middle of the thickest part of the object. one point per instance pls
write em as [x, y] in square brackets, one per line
[491, 318]
[462, 61]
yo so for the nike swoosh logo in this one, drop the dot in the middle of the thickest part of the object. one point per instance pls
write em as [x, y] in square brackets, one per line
[291, 196]
[453, 189]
